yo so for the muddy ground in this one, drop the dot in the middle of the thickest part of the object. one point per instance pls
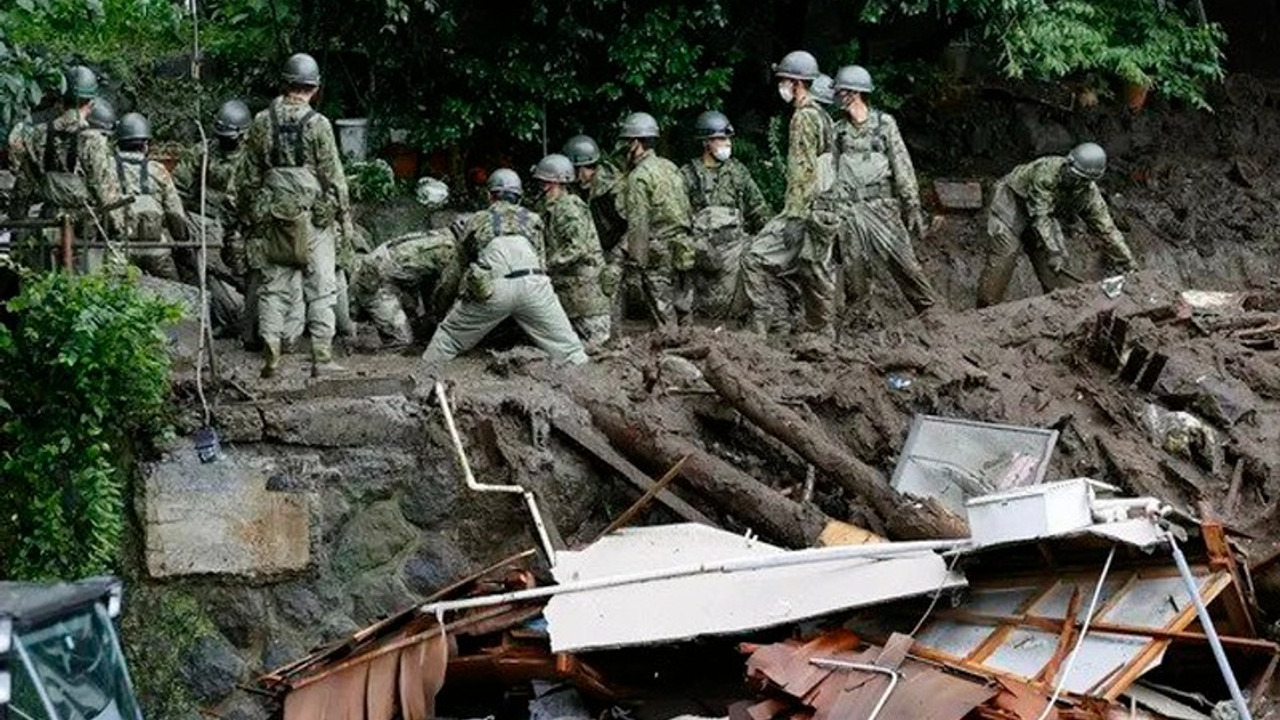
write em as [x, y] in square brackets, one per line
[1196, 194]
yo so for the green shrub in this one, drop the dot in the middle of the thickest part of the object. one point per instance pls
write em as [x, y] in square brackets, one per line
[370, 181]
[84, 370]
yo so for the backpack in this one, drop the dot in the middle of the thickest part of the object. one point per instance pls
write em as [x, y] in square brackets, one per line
[144, 217]
[63, 186]
[715, 228]
[291, 194]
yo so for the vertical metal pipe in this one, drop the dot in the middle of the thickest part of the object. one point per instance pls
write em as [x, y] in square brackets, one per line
[1210, 631]
[68, 259]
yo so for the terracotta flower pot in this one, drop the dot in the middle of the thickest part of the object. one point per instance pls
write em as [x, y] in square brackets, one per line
[1135, 96]
[404, 161]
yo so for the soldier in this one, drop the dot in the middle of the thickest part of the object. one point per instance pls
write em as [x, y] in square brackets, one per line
[67, 168]
[598, 184]
[876, 189]
[728, 208]
[1026, 208]
[574, 257]
[24, 161]
[798, 241]
[156, 214]
[717, 179]
[417, 265]
[505, 278]
[102, 119]
[658, 245]
[217, 213]
[297, 192]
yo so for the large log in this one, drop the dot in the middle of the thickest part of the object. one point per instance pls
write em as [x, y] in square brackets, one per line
[643, 437]
[905, 518]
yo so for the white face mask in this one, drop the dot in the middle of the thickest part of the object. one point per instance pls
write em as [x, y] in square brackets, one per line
[722, 152]
[786, 92]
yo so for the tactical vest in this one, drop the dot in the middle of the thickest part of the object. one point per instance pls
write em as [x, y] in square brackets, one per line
[863, 159]
[62, 184]
[827, 170]
[144, 217]
[288, 136]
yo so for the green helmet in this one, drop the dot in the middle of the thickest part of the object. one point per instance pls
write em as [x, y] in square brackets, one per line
[824, 90]
[133, 126]
[582, 150]
[504, 181]
[639, 125]
[854, 78]
[82, 84]
[102, 116]
[554, 168]
[797, 65]
[713, 124]
[233, 119]
[302, 69]
[1087, 160]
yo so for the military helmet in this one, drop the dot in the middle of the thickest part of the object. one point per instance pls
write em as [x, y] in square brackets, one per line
[82, 83]
[582, 150]
[102, 116]
[1087, 160]
[505, 181]
[554, 168]
[854, 78]
[797, 65]
[639, 125]
[302, 69]
[233, 119]
[713, 124]
[133, 126]
[824, 90]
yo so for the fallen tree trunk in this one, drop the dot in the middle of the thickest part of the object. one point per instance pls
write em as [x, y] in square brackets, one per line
[752, 502]
[905, 518]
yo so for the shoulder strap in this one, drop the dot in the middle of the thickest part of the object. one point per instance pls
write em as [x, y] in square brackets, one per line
[144, 179]
[120, 169]
[524, 222]
[495, 222]
[73, 152]
[288, 135]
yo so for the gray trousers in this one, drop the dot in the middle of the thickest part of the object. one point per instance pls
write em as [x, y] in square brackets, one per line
[529, 300]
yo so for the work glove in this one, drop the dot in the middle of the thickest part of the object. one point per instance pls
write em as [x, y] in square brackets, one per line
[683, 255]
[915, 222]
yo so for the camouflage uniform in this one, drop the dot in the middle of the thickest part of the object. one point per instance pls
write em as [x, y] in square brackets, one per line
[222, 225]
[159, 184]
[727, 184]
[575, 261]
[418, 265]
[504, 248]
[659, 237]
[875, 185]
[315, 150]
[1026, 206]
[87, 154]
[800, 240]
[728, 208]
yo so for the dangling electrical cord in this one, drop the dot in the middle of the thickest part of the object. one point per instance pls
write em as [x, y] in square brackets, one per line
[207, 444]
[1084, 631]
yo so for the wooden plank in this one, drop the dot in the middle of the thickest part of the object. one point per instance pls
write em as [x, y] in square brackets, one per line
[1038, 622]
[1222, 558]
[594, 443]
[629, 514]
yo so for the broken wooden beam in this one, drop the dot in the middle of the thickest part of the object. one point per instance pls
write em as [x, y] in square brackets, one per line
[755, 504]
[598, 447]
[904, 517]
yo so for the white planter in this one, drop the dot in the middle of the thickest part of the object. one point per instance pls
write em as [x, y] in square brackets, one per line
[353, 137]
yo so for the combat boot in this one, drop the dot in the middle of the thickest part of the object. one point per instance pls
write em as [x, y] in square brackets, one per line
[270, 357]
[322, 360]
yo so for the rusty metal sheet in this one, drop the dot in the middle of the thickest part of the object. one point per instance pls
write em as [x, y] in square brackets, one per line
[422, 671]
[381, 696]
[932, 695]
[1024, 701]
[347, 694]
[307, 703]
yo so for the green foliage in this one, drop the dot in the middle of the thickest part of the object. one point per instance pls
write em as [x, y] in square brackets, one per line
[84, 368]
[160, 627]
[1138, 41]
[767, 161]
[371, 181]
